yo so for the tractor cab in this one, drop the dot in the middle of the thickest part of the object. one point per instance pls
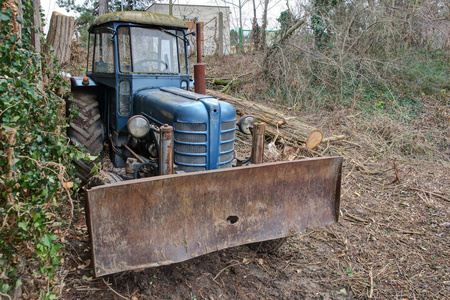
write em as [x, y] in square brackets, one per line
[138, 46]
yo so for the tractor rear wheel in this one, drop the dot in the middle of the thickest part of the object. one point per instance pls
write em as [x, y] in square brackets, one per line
[86, 129]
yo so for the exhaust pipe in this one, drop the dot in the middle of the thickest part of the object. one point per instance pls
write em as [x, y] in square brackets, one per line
[199, 67]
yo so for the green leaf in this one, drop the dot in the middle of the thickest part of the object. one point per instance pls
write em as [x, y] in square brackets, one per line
[48, 239]
[4, 17]
[343, 291]
[23, 225]
[18, 283]
[55, 249]
[13, 38]
[3, 85]
[5, 288]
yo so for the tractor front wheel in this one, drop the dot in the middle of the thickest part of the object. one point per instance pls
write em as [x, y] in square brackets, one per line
[86, 129]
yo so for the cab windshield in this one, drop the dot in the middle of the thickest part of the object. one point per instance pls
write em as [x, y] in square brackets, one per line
[151, 51]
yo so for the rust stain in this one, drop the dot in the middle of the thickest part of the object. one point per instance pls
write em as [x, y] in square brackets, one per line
[168, 115]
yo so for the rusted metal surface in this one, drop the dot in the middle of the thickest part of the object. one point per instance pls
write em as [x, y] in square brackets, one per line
[166, 150]
[258, 143]
[199, 79]
[162, 220]
[133, 153]
[198, 29]
[199, 67]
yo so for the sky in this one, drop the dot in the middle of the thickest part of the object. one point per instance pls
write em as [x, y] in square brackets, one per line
[275, 8]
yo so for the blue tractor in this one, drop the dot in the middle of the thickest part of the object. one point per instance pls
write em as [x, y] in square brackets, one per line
[137, 81]
[136, 102]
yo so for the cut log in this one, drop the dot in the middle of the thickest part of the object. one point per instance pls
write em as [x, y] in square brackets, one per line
[287, 130]
[314, 139]
[217, 81]
[59, 36]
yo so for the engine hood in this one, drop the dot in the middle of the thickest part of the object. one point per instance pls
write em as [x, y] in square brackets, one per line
[167, 105]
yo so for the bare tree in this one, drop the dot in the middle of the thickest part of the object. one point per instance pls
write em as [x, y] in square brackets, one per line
[264, 25]
[255, 28]
[239, 6]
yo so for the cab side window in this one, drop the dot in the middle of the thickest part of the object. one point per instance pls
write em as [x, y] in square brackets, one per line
[104, 52]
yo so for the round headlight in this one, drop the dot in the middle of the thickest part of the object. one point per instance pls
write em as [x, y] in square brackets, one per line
[138, 126]
[245, 123]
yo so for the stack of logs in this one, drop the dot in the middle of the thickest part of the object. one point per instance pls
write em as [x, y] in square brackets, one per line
[291, 130]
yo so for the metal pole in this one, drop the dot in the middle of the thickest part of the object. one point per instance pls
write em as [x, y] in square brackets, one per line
[258, 143]
[166, 150]
[199, 67]
[198, 28]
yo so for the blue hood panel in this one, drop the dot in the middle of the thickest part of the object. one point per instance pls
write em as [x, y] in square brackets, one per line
[203, 126]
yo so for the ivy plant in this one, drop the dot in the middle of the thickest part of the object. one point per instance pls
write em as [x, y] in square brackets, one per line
[36, 174]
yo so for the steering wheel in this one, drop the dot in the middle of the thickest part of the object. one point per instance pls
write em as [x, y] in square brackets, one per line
[139, 63]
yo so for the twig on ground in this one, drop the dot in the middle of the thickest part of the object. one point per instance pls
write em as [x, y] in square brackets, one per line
[397, 177]
[333, 138]
[229, 266]
[287, 265]
[121, 296]
[355, 218]
[430, 193]
[5, 295]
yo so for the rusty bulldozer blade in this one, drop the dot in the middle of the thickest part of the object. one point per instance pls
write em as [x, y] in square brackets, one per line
[167, 219]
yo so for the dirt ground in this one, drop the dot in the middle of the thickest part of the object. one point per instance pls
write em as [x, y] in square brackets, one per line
[392, 240]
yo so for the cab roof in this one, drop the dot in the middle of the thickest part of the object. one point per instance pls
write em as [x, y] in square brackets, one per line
[140, 17]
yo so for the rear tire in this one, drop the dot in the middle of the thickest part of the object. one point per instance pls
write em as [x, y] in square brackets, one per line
[86, 129]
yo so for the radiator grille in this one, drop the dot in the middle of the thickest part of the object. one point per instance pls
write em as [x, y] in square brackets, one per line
[228, 125]
[191, 145]
[226, 157]
[190, 148]
[183, 126]
[226, 147]
[190, 139]
[194, 160]
[225, 166]
[227, 138]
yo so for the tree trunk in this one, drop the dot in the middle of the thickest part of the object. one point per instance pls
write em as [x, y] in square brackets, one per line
[35, 34]
[264, 26]
[255, 28]
[60, 36]
[274, 48]
[102, 7]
